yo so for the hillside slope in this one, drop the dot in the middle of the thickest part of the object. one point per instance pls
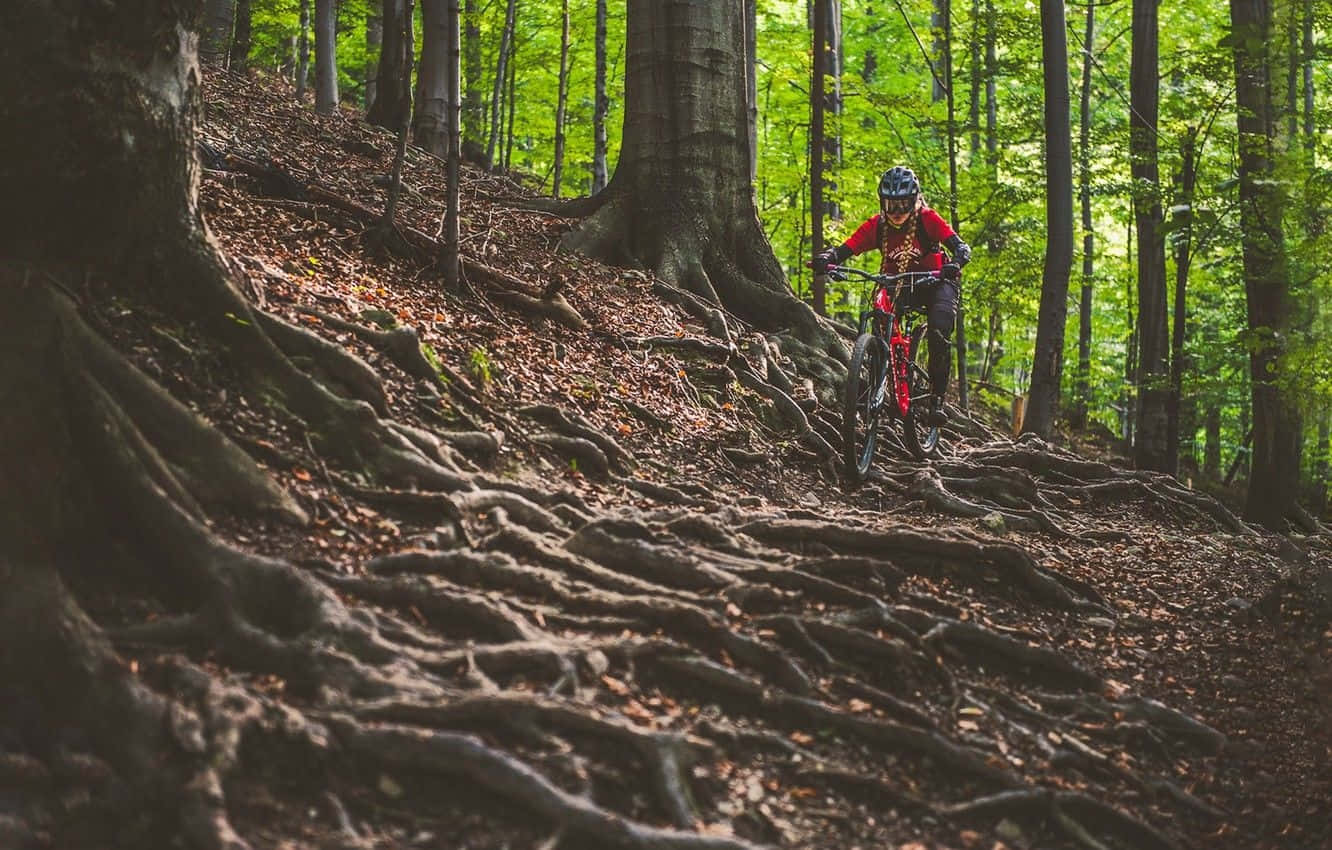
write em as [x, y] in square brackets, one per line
[640, 609]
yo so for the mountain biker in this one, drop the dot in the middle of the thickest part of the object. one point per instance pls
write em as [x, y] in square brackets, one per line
[910, 234]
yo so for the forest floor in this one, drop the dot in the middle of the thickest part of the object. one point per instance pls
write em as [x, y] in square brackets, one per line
[1074, 666]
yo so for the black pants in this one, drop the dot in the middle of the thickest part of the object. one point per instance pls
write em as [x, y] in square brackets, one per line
[940, 304]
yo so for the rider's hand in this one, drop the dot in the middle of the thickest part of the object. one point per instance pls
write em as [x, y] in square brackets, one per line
[951, 271]
[822, 260]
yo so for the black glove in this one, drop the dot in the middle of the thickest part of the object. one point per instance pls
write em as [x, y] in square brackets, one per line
[822, 260]
[951, 271]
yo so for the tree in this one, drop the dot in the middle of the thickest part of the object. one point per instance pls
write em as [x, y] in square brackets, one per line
[501, 63]
[453, 89]
[1043, 401]
[303, 51]
[374, 41]
[680, 201]
[1275, 466]
[1152, 450]
[1082, 378]
[561, 100]
[326, 56]
[473, 104]
[392, 103]
[241, 38]
[601, 105]
[215, 40]
[430, 119]
[817, 150]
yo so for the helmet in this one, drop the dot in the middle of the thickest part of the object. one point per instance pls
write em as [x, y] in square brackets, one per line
[898, 183]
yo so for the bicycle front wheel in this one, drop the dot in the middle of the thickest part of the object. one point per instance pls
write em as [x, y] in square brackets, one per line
[921, 438]
[863, 405]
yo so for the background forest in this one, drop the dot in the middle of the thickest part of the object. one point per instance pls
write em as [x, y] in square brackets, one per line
[888, 67]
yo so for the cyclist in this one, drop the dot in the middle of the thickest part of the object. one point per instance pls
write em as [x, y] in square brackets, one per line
[909, 235]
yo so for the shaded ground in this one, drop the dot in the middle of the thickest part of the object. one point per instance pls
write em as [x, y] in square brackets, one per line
[658, 614]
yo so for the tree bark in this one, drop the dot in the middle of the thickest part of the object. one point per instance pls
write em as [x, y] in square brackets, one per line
[561, 100]
[215, 39]
[685, 128]
[601, 106]
[374, 44]
[819, 287]
[1275, 465]
[1183, 236]
[326, 57]
[963, 391]
[303, 51]
[430, 120]
[751, 78]
[1082, 380]
[242, 37]
[453, 87]
[1043, 402]
[1212, 442]
[473, 103]
[393, 103]
[1152, 449]
[502, 58]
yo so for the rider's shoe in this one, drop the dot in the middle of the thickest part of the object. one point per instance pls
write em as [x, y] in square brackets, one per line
[937, 416]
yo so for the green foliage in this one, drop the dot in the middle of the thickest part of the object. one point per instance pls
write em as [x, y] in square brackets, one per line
[479, 363]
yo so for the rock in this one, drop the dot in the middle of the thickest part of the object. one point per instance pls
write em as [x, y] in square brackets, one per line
[994, 522]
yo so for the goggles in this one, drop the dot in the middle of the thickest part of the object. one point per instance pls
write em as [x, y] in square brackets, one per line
[899, 206]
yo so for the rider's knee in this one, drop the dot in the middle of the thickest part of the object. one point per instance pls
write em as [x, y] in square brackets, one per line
[941, 328]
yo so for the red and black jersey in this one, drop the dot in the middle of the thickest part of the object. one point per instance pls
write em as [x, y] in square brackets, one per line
[912, 248]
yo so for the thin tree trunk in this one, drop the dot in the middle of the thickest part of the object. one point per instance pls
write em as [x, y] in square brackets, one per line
[991, 88]
[1212, 442]
[561, 100]
[473, 103]
[374, 43]
[1152, 450]
[1042, 406]
[1275, 468]
[215, 40]
[1242, 455]
[1183, 249]
[819, 288]
[963, 394]
[602, 105]
[430, 119]
[511, 103]
[453, 92]
[400, 154]
[393, 102]
[938, 23]
[326, 57]
[303, 51]
[1082, 380]
[1321, 465]
[1128, 400]
[751, 74]
[976, 74]
[241, 37]
[506, 36]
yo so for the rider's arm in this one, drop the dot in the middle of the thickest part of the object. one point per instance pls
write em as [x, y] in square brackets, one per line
[959, 251]
[866, 238]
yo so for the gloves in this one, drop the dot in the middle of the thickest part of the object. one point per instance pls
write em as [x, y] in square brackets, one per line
[822, 260]
[951, 271]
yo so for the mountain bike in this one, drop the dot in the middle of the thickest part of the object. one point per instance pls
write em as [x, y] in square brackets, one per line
[888, 379]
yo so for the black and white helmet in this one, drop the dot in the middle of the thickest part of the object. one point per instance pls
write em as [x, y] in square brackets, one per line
[899, 183]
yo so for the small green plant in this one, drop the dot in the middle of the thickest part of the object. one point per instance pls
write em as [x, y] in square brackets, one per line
[432, 357]
[480, 364]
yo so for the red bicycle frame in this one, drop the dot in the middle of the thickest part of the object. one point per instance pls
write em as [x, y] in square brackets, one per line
[900, 348]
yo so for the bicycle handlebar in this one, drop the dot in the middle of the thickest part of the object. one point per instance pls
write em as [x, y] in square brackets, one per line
[841, 273]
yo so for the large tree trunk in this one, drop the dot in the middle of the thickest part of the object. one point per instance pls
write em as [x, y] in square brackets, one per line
[430, 120]
[1043, 403]
[326, 56]
[215, 39]
[393, 97]
[1275, 465]
[1082, 380]
[601, 106]
[1152, 451]
[681, 202]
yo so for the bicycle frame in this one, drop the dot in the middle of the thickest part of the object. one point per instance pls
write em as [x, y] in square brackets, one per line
[885, 322]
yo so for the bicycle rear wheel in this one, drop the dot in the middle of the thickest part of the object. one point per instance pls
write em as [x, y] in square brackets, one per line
[921, 438]
[863, 405]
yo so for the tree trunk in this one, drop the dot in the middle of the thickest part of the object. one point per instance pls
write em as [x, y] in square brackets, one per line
[819, 287]
[1152, 450]
[453, 91]
[473, 103]
[1275, 466]
[1212, 442]
[510, 102]
[430, 120]
[751, 77]
[976, 43]
[393, 103]
[1183, 236]
[1082, 380]
[1321, 465]
[326, 56]
[1043, 403]
[374, 44]
[388, 225]
[963, 394]
[501, 60]
[601, 106]
[991, 87]
[938, 23]
[303, 51]
[561, 100]
[242, 37]
[215, 39]
[1128, 400]
[685, 128]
